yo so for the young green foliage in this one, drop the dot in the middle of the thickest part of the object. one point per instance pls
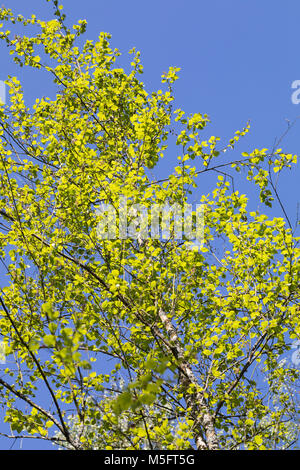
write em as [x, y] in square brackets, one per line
[193, 337]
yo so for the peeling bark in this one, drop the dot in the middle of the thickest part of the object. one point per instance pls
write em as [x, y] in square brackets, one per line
[203, 429]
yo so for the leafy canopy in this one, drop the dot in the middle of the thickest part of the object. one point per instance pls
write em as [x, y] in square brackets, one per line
[129, 343]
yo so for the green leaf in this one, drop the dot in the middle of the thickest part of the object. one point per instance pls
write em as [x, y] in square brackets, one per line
[49, 340]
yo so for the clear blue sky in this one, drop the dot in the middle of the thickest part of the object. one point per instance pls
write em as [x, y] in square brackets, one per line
[238, 60]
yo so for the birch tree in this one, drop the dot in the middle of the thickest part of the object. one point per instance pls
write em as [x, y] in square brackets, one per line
[196, 330]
